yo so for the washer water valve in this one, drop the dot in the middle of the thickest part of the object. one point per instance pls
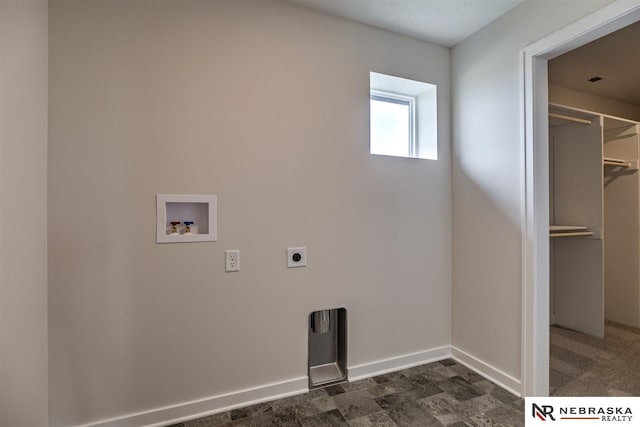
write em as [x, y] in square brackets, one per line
[174, 227]
[187, 227]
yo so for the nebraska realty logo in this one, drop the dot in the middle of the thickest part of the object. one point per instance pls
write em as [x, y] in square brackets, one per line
[585, 410]
[543, 412]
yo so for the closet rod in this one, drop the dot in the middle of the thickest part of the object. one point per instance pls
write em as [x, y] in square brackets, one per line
[616, 162]
[570, 118]
[576, 234]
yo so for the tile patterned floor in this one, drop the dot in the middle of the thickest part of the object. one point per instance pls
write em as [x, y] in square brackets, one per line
[437, 394]
[582, 365]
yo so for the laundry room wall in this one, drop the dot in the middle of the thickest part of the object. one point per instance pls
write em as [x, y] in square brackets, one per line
[265, 105]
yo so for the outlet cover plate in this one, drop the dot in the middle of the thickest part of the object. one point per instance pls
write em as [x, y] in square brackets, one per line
[232, 260]
[297, 257]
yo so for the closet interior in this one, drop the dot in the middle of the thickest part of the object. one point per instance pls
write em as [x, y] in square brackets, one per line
[595, 219]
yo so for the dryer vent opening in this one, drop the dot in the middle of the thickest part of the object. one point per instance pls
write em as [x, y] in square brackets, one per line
[327, 347]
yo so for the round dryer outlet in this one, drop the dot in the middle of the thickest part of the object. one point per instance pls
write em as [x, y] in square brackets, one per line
[296, 257]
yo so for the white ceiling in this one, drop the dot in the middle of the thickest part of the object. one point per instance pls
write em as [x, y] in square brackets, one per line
[615, 57]
[443, 22]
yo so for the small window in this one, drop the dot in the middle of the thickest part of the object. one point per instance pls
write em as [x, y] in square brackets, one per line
[402, 117]
[392, 124]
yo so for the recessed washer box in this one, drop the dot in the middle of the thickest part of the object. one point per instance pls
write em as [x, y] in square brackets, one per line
[199, 210]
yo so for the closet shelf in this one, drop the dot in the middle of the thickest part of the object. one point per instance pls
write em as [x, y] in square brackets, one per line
[567, 118]
[557, 228]
[620, 163]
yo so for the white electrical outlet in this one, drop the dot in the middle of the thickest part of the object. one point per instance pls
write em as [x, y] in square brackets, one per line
[296, 257]
[232, 260]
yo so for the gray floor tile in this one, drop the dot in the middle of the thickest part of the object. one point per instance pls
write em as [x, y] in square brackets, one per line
[241, 422]
[436, 394]
[444, 371]
[331, 418]
[385, 378]
[466, 373]
[355, 404]
[261, 409]
[436, 377]
[315, 406]
[382, 389]
[406, 411]
[334, 389]
[485, 386]
[358, 385]
[476, 406]
[210, 421]
[431, 366]
[506, 416]
[460, 388]
[423, 387]
[286, 402]
[482, 421]
[443, 407]
[503, 395]
[237, 414]
[286, 417]
[377, 419]
[518, 404]
[409, 372]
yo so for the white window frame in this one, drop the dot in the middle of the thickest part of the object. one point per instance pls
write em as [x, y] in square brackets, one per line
[423, 98]
[396, 98]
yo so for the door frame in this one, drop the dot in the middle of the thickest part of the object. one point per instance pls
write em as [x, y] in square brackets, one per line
[535, 180]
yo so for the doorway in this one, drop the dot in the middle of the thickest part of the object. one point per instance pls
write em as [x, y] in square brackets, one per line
[594, 127]
[535, 203]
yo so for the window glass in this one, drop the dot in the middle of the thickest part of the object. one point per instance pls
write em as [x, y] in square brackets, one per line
[403, 117]
[390, 123]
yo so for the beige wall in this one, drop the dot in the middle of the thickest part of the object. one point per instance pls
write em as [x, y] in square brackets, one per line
[487, 178]
[23, 244]
[266, 105]
[587, 101]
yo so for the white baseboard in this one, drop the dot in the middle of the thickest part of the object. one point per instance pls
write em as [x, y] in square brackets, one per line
[225, 402]
[379, 367]
[208, 406]
[495, 375]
